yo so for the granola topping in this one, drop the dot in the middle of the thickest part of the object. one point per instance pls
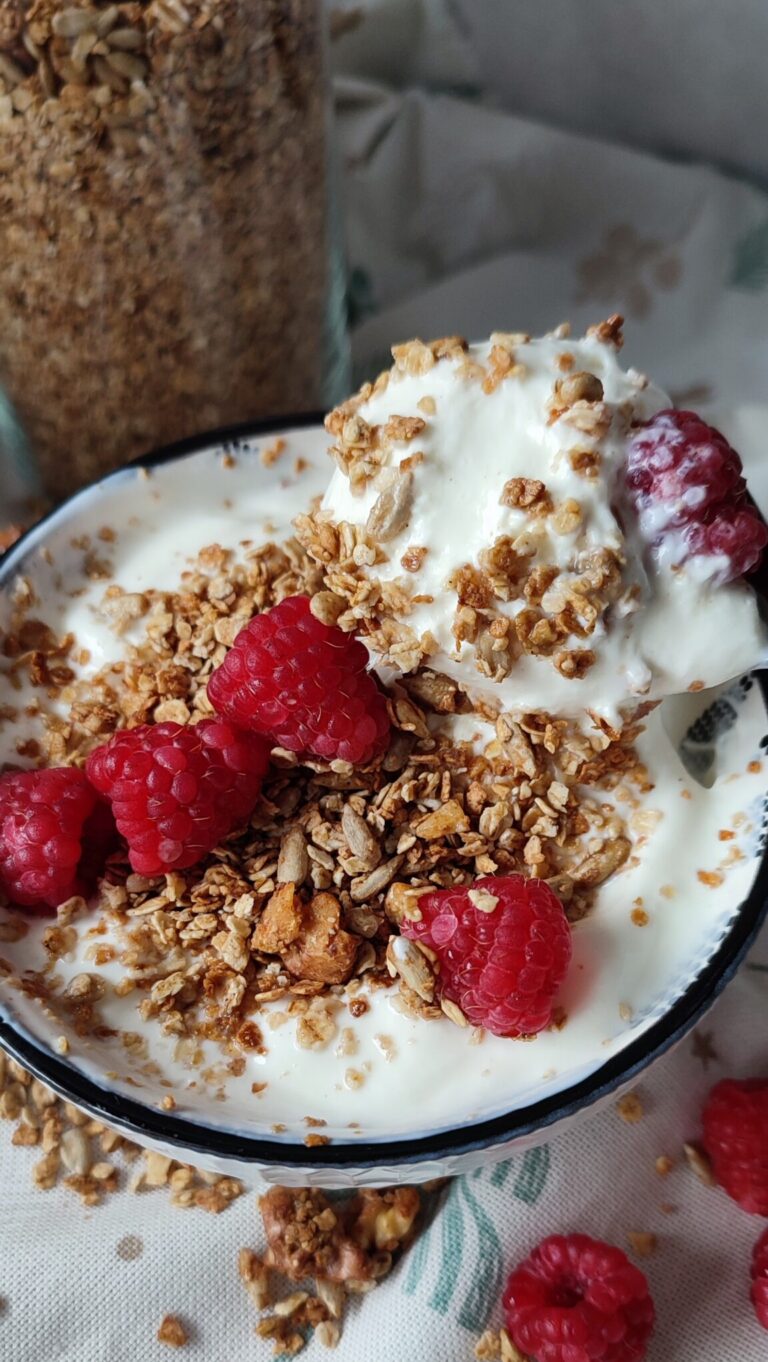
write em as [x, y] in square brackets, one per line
[535, 584]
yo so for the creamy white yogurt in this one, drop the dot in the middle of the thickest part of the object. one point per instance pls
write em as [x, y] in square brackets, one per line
[417, 1076]
[472, 444]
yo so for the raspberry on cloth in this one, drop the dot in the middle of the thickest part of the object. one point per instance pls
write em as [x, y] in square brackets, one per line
[735, 1137]
[576, 1299]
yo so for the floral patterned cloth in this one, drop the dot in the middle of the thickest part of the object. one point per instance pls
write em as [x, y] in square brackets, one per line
[464, 218]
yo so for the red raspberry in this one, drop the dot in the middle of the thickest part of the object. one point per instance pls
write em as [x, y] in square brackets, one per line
[738, 534]
[501, 967]
[303, 682]
[735, 1125]
[576, 1299]
[683, 475]
[52, 836]
[176, 791]
[759, 1292]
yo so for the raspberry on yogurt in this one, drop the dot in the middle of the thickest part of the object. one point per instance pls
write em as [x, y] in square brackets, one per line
[686, 483]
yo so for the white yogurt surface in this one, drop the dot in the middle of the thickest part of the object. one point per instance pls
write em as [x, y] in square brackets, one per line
[417, 1076]
[472, 444]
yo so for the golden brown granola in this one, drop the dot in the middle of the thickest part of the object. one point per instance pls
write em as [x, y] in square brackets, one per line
[299, 905]
[172, 1332]
[88, 1158]
[195, 131]
[335, 1250]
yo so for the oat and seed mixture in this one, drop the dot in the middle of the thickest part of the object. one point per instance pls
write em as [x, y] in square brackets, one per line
[162, 211]
[91, 1160]
[333, 1252]
[318, 1256]
[300, 909]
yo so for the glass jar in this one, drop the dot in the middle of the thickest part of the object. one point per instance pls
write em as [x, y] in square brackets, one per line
[19, 481]
[166, 264]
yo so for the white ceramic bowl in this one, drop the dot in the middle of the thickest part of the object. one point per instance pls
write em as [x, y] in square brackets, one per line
[212, 482]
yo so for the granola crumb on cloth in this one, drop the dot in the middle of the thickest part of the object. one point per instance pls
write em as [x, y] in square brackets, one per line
[335, 1250]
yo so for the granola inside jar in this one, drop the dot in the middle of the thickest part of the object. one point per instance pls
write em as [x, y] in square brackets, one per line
[163, 223]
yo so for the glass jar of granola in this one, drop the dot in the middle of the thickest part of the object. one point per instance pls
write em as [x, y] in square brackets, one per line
[164, 225]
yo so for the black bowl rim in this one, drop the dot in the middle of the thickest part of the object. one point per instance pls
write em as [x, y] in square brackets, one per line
[134, 1118]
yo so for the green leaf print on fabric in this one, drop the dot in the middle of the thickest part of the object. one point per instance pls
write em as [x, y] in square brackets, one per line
[533, 1174]
[487, 1268]
[452, 1225]
[749, 267]
[501, 1172]
[471, 1244]
[417, 1261]
[531, 1178]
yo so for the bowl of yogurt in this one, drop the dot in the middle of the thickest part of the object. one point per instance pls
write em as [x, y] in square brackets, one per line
[570, 687]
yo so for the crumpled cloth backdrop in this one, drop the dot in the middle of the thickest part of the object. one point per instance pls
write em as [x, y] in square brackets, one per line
[463, 217]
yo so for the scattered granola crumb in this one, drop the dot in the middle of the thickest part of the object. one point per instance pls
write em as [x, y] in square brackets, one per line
[630, 1108]
[509, 1350]
[642, 1242]
[639, 917]
[271, 453]
[712, 878]
[664, 1165]
[488, 1347]
[61, 1045]
[700, 1164]
[172, 1332]
[668, 891]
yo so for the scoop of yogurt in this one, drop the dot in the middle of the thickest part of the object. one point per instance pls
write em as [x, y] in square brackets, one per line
[481, 527]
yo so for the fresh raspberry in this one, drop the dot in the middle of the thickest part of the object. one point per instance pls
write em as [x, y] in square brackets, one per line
[759, 1272]
[576, 1299]
[738, 535]
[53, 836]
[684, 477]
[501, 962]
[176, 791]
[303, 682]
[735, 1126]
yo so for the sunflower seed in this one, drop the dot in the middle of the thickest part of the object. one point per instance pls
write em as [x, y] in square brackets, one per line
[361, 841]
[391, 510]
[404, 959]
[70, 23]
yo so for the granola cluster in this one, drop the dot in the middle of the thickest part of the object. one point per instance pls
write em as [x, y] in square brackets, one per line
[337, 1250]
[193, 130]
[301, 908]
